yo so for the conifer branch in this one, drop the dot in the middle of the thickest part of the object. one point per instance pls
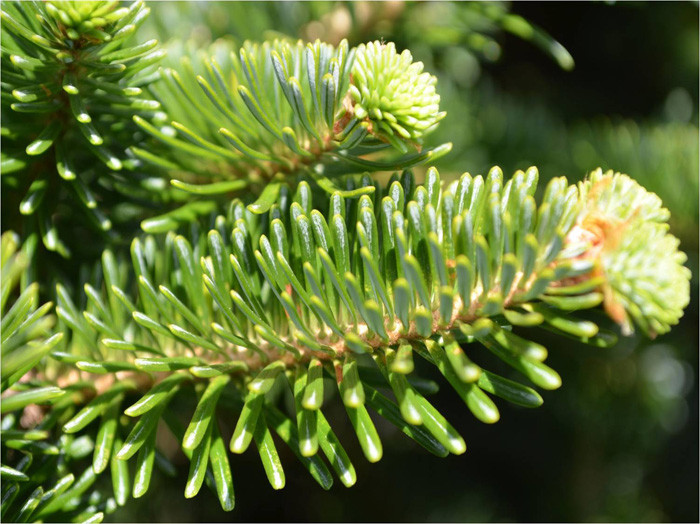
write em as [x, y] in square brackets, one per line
[263, 299]
[277, 111]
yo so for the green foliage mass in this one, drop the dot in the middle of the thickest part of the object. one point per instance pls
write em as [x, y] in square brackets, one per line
[70, 82]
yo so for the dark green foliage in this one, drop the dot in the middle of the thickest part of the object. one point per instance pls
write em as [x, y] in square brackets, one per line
[70, 84]
[39, 479]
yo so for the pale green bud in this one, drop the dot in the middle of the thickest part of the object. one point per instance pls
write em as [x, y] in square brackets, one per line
[393, 94]
[646, 282]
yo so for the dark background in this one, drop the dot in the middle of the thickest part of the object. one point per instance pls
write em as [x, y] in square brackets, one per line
[619, 440]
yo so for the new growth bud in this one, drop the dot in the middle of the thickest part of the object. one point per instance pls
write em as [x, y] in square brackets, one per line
[393, 94]
[626, 226]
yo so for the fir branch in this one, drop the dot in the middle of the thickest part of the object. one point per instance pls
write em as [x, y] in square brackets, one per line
[277, 110]
[406, 270]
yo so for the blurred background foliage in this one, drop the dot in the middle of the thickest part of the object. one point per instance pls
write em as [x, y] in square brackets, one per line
[619, 441]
